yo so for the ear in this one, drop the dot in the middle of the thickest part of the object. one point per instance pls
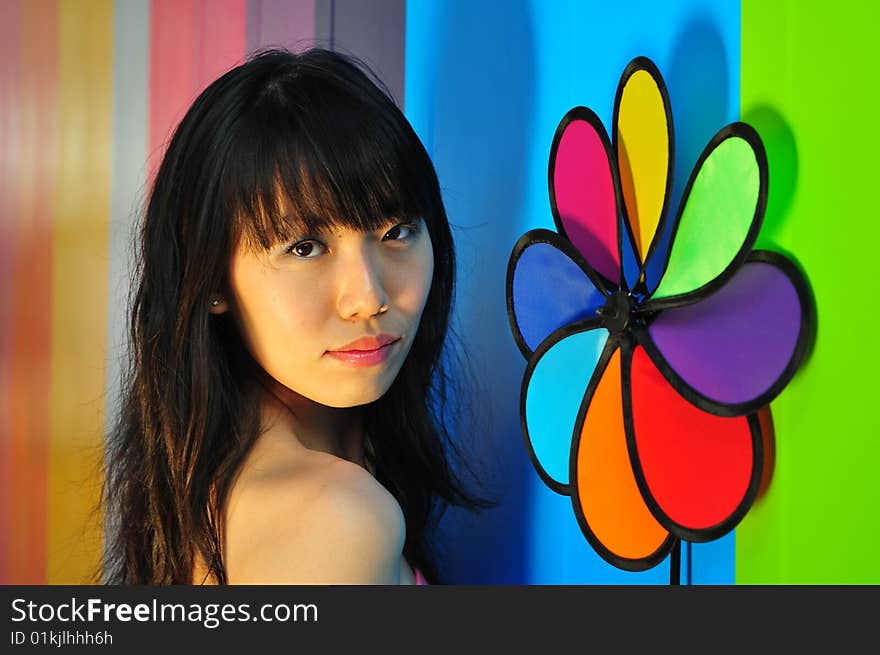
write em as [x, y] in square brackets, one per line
[218, 305]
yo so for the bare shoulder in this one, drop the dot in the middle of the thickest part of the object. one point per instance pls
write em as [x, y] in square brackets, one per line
[321, 521]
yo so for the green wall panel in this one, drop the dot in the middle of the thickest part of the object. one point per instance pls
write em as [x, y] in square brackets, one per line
[809, 86]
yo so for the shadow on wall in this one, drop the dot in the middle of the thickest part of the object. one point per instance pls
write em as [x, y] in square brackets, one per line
[782, 161]
[482, 113]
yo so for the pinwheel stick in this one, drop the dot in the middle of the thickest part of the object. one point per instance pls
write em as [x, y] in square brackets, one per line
[675, 564]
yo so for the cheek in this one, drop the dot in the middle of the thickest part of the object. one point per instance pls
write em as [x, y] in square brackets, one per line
[273, 318]
[428, 274]
[417, 281]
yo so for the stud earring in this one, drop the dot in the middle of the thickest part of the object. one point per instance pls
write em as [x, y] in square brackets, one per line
[215, 302]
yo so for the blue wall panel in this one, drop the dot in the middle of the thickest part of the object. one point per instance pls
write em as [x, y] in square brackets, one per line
[486, 85]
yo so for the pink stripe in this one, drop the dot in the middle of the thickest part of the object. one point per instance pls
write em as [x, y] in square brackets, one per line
[10, 29]
[220, 32]
[191, 43]
[170, 65]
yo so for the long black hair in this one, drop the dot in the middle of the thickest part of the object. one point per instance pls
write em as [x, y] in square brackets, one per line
[317, 134]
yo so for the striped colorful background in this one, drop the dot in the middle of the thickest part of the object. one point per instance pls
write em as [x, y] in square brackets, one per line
[90, 90]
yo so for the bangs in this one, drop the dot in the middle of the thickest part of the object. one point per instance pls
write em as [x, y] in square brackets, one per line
[321, 158]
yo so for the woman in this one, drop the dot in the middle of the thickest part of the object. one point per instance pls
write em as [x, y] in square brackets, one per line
[282, 422]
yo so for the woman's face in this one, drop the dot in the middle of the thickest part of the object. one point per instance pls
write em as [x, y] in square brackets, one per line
[300, 305]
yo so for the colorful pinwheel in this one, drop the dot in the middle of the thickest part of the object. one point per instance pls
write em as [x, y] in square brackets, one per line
[640, 400]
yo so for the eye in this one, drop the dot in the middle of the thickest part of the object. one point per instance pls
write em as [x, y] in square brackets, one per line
[304, 249]
[408, 230]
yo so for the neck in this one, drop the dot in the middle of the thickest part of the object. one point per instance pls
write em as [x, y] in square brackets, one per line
[334, 430]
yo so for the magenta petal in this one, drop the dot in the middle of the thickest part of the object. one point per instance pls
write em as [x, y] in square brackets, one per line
[582, 190]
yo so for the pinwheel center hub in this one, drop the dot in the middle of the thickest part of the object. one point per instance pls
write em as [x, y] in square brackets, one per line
[618, 311]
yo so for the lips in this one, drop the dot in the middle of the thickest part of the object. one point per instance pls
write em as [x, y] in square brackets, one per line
[367, 343]
[366, 351]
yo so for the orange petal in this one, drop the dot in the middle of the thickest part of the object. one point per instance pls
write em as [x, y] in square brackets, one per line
[608, 503]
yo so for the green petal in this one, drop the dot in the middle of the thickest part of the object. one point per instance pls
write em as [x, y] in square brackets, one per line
[721, 215]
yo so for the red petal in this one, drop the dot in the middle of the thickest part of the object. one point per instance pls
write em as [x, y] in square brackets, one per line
[698, 471]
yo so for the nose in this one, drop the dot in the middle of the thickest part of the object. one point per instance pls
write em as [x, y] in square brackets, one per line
[361, 293]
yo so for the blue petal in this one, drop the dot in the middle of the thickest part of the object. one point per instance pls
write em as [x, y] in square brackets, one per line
[548, 290]
[554, 386]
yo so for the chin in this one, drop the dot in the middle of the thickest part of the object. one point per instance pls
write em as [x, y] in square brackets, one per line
[354, 397]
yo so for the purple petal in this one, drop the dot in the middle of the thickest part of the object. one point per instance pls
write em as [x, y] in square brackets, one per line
[740, 344]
